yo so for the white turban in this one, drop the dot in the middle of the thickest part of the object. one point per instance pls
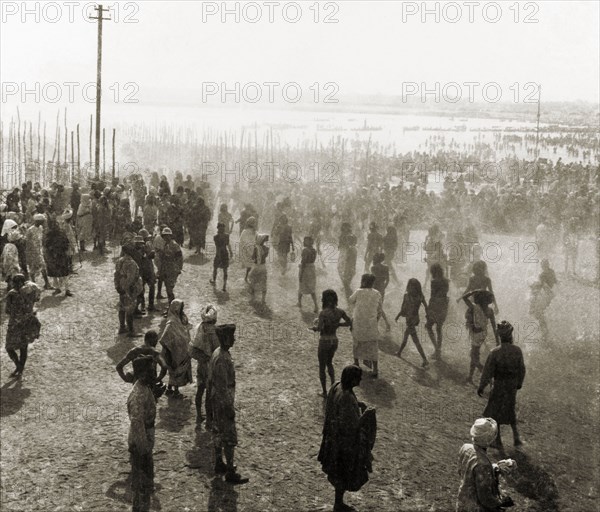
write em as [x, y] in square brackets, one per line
[484, 431]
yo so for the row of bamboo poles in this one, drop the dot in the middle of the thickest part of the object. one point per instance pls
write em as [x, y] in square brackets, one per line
[24, 152]
[28, 154]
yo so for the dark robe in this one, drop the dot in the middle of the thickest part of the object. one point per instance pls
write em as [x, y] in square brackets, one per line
[348, 438]
[56, 247]
[199, 217]
[506, 367]
[175, 222]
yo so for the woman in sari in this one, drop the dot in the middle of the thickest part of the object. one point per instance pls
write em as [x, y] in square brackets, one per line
[348, 437]
[175, 341]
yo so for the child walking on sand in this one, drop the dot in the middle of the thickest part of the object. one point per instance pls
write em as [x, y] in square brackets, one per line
[330, 318]
[540, 296]
[476, 320]
[413, 298]
[222, 255]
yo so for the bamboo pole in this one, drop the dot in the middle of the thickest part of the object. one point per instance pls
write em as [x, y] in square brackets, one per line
[255, 142]
[18, 173]
[57, 138]
[30, 142]
[113, 152]
[57, 166]
[38, 136]
[1, 155]
[78, 157]
[24, 167]
[43, 168]
[8, 148]
[104, 153]
[72, 155]
[66, 139]
[14, 151]
[91, 130]
[11, 146]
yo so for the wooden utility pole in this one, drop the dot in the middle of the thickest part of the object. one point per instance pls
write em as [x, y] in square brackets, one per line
[101, 10]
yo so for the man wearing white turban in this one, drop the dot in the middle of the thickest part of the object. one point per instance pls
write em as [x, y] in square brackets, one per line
[478, 491]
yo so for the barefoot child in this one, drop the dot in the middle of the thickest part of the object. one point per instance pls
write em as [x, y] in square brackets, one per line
[223, 253]
[413, 298]
[147, 349]
[347, 264]
[477, 316]
[481, 281]
[540, 296]
[307, 277]
[381, 272]
[327, 324]
[438, 307]
[547, 276]
[226, 219]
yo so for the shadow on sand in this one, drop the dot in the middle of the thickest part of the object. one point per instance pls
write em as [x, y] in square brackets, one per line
[121, 491]
[222, 297]
[378, 391]
[12, 397]
[308, 317]
[175, 415]
[449, 372]
[262, 310]
[50, 301]
[197, 260]
[122, 345]
[223, 496]
[534, 483]
[201, 457]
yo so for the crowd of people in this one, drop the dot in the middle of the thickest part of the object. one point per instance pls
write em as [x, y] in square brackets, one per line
[44, 231]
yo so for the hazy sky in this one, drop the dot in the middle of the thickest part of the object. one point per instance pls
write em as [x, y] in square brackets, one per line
[371, 49]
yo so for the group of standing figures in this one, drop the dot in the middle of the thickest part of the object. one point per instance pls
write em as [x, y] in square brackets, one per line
[151, 256]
